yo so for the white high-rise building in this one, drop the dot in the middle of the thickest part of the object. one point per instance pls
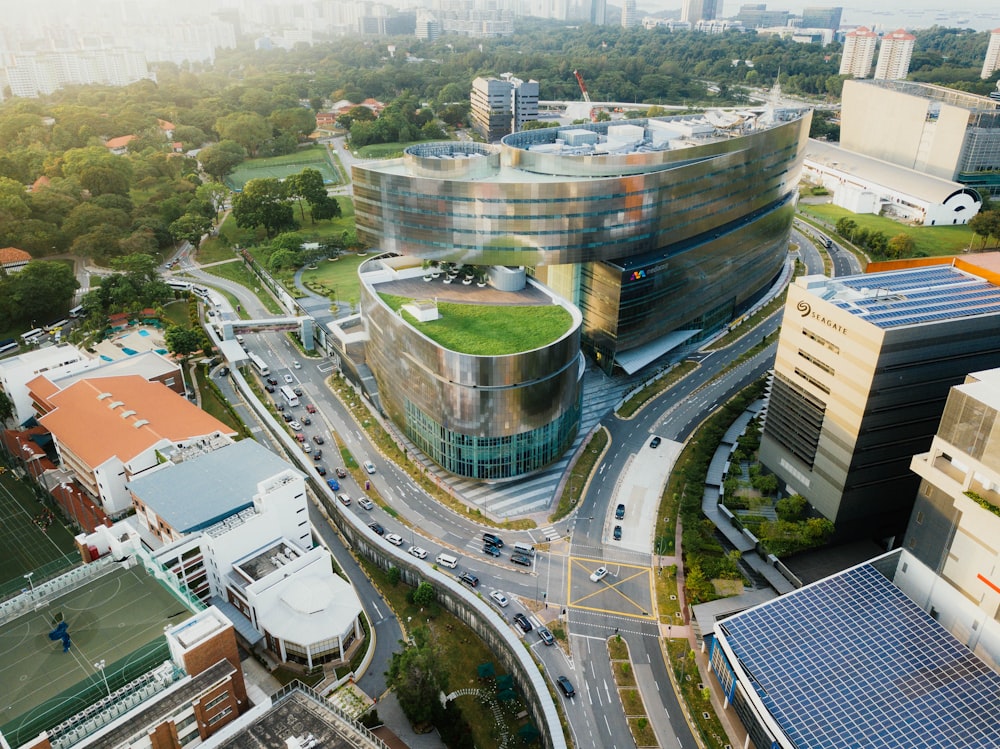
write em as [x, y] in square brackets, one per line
[698, 10]
[894, 55]
[859, 51]
[992, 61]
[630, 15]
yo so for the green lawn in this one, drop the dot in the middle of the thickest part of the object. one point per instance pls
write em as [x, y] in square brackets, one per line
[929, 240]
[338, 278]
[489, 330]
[176, 313]
[238, 272]
[313, 157]
[383, 150]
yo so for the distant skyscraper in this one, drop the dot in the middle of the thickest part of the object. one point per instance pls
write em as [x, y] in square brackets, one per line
[500, 107]
[630, 15]
[598, 12]
[756, 15]
[698, 10]
[894, 55]
[992, 61]
[821, 18]
[859, 50]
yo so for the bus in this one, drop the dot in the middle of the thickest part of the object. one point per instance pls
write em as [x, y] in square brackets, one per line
[77, 311]
[179, 285]
[57, 325]
[8, 344]
[289, 395]
[259, 364]
[32, 335]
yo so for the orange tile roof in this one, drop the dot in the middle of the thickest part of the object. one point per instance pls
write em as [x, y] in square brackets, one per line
[10, 255]
[134, 415]
[41, 182]
[165, 125]
[40, 389]
[120, 142]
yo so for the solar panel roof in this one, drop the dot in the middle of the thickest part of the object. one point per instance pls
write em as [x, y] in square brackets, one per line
[850, 661]
[911, 297]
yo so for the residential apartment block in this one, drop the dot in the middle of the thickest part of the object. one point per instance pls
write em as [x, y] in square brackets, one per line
[991, 63]
[859, 51]
[895, 51]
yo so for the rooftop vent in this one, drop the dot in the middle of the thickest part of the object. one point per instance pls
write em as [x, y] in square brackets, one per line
[140, 423]
[126, 414]
[115, 404]
[102, 396]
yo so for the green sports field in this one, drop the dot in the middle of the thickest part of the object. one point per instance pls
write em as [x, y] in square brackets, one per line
[118, 618]
[282, 166]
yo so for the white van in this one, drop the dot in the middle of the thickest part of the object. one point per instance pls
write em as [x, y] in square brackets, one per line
[239, 339]
[520, 548]
[446, 560]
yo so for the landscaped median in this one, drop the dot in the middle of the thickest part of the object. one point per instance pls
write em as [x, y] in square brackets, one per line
[628, 692]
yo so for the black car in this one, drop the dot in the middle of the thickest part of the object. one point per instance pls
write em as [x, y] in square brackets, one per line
[566, 686]
[655, 442]
[341, 473]
[317, 454]
[224, 372]
[377, 527]
[297, 390]
[306, 420]
[269, 388]
[318, 439]
[618, 533]
[493, 539]
[490, 549]
[286, 417]
[522, 621]
[522, 559]
[272, 381]
[321, 470]
[619, 512]
[469, 579]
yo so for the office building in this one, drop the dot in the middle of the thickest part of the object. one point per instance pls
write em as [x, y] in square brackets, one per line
[821, 18]
[501, 106]
[757, 15]
[630, 15]
[693, 11]
[894, 55]
[991, 63]
[883, 655]
[936, 130]
[598, 12]
[863, 368]
[428, 27]
[859, 51]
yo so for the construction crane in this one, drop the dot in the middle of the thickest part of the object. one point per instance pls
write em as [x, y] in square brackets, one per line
[583, 86]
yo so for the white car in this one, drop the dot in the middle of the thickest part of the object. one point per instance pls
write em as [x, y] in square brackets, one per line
[289, 379]
[344, 500]
[369, 466]
[295, 425]
[499, 598]
[296, 365]
[417, 552]
[597, 574]
[394, 538]
[366, 503]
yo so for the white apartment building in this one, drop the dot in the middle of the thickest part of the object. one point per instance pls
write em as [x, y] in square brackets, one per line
[55, 361]
[859, 51]
[32, 74]
[894, 55]
[992, 61]
[630, 15]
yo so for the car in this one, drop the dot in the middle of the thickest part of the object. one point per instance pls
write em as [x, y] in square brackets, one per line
[317, 454]
[289, 379]
[545, 636]
[369, 466]
[318, 439]
[341, 473]
[295, 425]
[296, 365]
[492, 538]
[281, 407]
[224, 372]
[269, 388]
[333, 484]
[366, 503]
[306, 420]
[655, 442]
[310, 408]
[321, 469]
[300, 437]
[211, 313]
[469, 579]
[272, 381]
[490, 549]
[306, 448]
[522, 559]
[297, 390]
[394, 538]
[499, 598]
[619, 512]
[417, 552]
[377, 527]
[566, 686]
[522, 621]
[598, 574]
[617, 535]
[344, 500]
[287, 417]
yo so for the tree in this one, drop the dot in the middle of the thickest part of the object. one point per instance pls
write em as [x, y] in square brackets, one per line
[190, 228]
[846, 227]
[306, 185]
[417, 679]
[901, 246]
[283, 259]
[248, 129]
[298, 121]
[791, 508]
[182, 341]
[220, 159]
[6, 408]
[213, 193]
[327, 208]
[263, 202]
[42, 290]
[103, 180]
[424, 595]
[984, 224]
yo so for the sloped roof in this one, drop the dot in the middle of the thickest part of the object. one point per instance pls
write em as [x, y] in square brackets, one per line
[120, 142]
[10, 255]
[100, 418]
[165, 124]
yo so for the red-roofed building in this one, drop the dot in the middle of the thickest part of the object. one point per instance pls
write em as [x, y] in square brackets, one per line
[13, 260]
[119, 145]
[78, 505]
[894, 55]
[40, 183]
[167, 127]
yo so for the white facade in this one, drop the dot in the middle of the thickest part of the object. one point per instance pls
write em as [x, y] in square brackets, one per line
[991, 62]
[630, 15]
[894, 55]
[17, 371]
[859, 51]
[33, 74]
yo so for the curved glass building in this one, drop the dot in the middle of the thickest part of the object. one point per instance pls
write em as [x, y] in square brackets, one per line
[660, 230]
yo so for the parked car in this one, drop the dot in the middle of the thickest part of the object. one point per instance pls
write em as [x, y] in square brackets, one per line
[620, 512]
[306, 447]
[499, 598]
[469, 579]
[333, 484]
[394, 538]
[522, 559]
[366, 503]
[310, 408]
[566, 686]
[295, 425]
[321, 469]
[545, 636]
[341, 473]
[598, 574]
[318, 439]
[618, 533]
[417, 552]
[655, 442]
[289, 379]
[224, 372]
[522, 621]
[280, 407]
[369, 466]
[299, 436]
[490, 549]
[344, 500]
[377, 527]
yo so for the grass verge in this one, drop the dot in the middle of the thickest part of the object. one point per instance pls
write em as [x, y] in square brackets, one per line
[928, 240]
[698, 698]
[214, 404]
[638, 399]
[579, 474]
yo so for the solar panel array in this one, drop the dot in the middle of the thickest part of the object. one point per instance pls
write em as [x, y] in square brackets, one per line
[919, 295]
[852, 662]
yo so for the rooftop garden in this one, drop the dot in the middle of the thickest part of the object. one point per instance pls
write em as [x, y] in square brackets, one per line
[489, 330]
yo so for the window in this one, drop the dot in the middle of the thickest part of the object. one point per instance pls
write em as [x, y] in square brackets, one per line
[216, 718]
[822, 341]
[920, 518]
[216, 701]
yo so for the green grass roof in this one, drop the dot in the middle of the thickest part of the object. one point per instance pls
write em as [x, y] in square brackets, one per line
[489, 330]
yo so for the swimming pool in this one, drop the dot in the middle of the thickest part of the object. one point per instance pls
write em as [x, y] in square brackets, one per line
[144, 333]
[106, 358]
[129, 351]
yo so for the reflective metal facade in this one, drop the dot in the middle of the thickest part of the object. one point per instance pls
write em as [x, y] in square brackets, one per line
[485, 417]
[663, 240]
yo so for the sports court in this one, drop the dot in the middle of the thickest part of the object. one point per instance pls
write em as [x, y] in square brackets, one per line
[280, 167]
[118, 618]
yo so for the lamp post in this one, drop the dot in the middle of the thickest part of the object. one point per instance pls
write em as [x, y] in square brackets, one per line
[31, 585]
[100, 667]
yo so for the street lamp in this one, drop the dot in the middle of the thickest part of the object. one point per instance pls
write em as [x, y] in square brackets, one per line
[27, 576]
[100, 667]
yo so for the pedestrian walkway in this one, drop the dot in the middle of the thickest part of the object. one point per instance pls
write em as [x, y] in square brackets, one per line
[392, 715]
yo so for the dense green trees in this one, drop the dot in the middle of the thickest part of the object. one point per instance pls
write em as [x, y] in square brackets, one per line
[263, 202]
[40, 292]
